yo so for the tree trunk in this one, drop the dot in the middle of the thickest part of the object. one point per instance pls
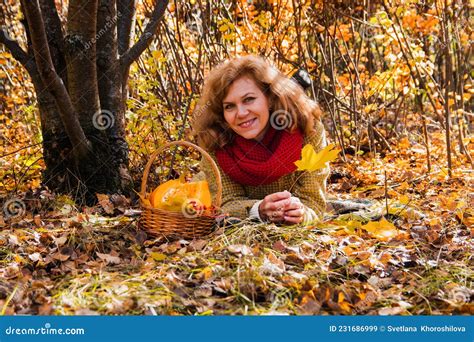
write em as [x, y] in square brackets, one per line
[80, 84]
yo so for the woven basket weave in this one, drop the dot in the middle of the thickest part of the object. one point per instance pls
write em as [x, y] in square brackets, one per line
[183, 224]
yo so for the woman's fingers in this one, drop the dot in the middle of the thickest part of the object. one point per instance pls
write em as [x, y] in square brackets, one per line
[293, 219]
[278, 196]
[277, 216]
[273, 210]
[295, 212]
[281, 206]
[294, 205]
[278, 205]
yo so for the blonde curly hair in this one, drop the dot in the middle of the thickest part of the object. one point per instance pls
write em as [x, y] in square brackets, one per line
[284, 95]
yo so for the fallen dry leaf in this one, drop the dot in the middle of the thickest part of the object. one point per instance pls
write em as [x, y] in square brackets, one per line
[382, 230]
[105, 203]
[109, 258]
[61, 257]
[272, 265]
[239, 249]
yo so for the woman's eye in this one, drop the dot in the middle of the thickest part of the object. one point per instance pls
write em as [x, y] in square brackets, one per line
[228, 106]
[249, 99]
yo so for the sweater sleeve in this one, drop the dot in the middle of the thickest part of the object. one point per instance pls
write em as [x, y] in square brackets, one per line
[310, 187]
[235, 201]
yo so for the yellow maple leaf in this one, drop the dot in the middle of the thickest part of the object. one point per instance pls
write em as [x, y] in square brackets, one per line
[312, 161]
[343, 304]
[383, 229]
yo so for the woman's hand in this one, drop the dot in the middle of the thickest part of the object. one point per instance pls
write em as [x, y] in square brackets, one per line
[273, 206]
[294, 211]
[281, 207]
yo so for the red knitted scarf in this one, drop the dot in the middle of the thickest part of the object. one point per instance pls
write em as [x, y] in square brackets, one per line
[250, 162]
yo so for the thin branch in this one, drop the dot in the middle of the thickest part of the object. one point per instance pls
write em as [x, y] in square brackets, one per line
[21, 149]
[55, 36]
[448, 84]
[145, 39]
[17, 52]
[126, 19]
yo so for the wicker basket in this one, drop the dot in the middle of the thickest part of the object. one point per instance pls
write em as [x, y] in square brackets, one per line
[159, 222]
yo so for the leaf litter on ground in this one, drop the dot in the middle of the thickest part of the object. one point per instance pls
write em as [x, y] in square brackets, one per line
[408, 253]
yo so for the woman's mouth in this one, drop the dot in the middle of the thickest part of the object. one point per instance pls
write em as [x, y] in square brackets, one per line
[248, 123]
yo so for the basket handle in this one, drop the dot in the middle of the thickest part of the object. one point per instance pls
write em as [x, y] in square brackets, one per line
[188, 144]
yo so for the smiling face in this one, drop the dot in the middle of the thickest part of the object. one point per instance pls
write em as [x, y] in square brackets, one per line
[246, 109]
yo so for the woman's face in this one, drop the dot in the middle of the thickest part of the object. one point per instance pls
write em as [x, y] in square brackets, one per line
[246, 109]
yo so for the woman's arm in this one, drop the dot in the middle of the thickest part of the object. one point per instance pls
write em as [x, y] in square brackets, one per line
[235, 200]
[310, 187]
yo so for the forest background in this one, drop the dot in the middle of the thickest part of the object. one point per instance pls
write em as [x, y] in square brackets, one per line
[394, 79]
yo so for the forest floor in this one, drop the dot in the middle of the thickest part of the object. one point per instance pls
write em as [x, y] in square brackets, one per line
[417, 259]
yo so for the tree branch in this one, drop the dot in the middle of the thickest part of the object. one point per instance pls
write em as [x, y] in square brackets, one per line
[52, 20]
[52, 80]
[17, 52]
[144, 41]
[55, 36]
[126, 19]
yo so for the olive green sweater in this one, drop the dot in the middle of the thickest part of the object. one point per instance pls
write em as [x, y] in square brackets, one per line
[242, 200]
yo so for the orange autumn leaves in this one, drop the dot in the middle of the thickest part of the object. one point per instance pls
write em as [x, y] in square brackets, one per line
[312, 161]
[382, 230]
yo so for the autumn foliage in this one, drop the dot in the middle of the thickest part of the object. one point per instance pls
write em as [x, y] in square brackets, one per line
[394, 80]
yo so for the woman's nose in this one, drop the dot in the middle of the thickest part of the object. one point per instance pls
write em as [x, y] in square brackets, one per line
[242, 110]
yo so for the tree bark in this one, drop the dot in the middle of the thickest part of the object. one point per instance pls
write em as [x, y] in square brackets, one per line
[126, 21]
[112, 100]
[81, 60]
[81, 81]
[49, 77]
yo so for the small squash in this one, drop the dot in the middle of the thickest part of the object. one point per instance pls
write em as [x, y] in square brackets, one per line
[199, 191]
[163, 196]
[172, 194]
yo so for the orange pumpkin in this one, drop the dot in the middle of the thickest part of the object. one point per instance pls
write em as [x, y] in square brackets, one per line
[161, 197]
[199, 191]
[172, 194]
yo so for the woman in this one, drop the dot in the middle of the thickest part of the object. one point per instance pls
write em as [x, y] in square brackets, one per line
[254, 121]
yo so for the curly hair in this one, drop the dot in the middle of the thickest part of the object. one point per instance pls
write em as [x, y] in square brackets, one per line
[287, 100]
